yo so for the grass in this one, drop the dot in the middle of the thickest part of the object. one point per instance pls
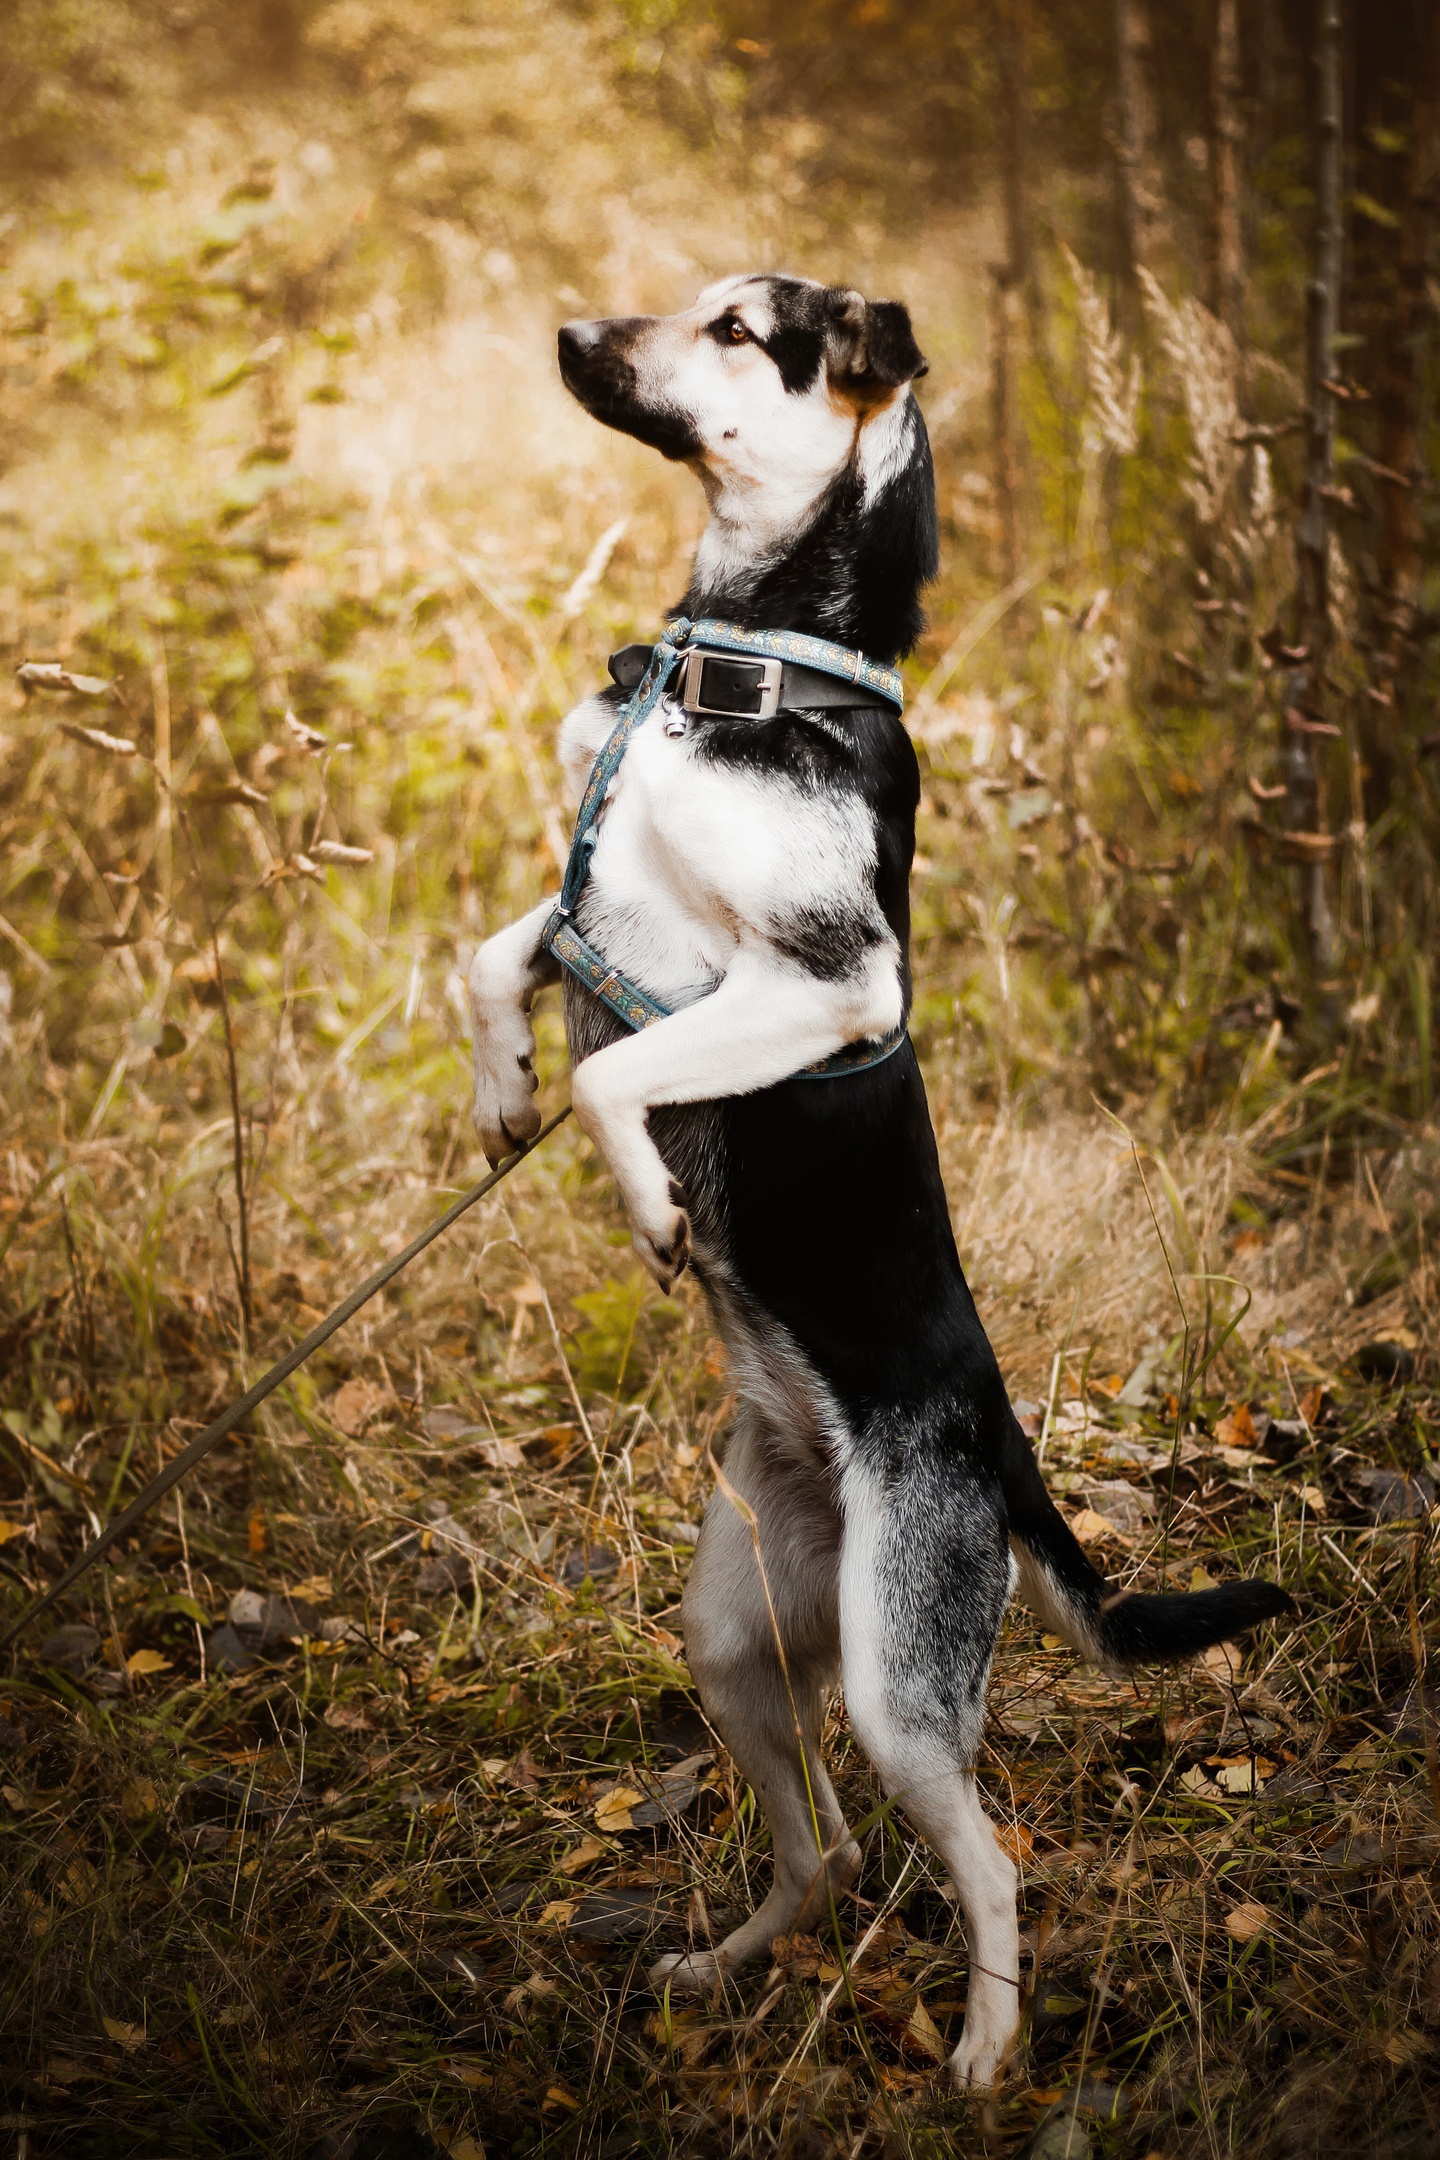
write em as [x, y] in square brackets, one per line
[286, 441]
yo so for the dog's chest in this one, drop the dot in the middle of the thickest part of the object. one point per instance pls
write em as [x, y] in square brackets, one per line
[695, 852]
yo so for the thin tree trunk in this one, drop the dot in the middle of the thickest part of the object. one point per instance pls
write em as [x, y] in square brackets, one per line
[1226, 257]
[1304, 804]
[1137, 187]
[1402, 360]
[1012, 278]
[1004, 418]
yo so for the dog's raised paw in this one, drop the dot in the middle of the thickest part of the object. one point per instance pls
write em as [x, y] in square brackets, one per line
[668, 1255]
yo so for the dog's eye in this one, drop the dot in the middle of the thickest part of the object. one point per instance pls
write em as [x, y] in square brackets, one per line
[729, 330]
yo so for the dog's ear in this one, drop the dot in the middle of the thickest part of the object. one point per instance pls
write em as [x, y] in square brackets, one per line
[870, 344]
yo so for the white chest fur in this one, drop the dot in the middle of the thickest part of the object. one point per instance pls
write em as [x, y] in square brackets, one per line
[698, 859]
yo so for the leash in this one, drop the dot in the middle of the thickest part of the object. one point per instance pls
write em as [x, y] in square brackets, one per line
[719, 670]
[180, 1465]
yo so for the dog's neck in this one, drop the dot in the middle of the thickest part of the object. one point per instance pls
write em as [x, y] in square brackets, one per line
[847, 563]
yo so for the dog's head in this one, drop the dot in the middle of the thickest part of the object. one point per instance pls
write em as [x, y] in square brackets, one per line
[767, 381]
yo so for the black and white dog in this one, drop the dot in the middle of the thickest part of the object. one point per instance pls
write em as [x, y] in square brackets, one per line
[752, 875]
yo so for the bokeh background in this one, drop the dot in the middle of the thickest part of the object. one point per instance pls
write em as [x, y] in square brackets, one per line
[303, 553]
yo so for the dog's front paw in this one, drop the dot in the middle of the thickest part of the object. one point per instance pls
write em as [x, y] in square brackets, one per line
[660, 1231]
[506, 1112]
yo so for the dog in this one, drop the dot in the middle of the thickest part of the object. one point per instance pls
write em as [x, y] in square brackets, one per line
[751, 875]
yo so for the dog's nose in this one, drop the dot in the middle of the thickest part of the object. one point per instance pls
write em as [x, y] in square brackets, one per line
[577, 339]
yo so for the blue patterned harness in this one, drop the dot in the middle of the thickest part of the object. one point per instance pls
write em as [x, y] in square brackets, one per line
[777, 652]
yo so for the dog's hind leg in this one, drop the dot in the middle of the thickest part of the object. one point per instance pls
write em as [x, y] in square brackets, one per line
[731, 1649]
[924, 1578]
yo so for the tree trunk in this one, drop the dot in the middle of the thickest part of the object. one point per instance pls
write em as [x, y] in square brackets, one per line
[1226, 258]
[1402, 359]
[1013, 278]
[1304, 804]
[1138, 200]
[1004, 418]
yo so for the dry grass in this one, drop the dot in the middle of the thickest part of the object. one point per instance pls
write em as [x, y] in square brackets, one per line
[334, 1902]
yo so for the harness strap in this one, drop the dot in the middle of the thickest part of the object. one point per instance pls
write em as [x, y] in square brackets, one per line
[806, 661]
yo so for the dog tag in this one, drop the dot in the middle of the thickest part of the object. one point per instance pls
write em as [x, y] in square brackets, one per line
[676, 721]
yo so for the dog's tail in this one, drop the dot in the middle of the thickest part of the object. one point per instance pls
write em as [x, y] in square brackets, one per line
[1124, 1627]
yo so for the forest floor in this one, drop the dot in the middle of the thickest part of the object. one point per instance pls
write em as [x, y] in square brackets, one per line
[345, 1811]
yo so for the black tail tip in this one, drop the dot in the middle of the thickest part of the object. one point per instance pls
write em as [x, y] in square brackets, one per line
[1144, 1628]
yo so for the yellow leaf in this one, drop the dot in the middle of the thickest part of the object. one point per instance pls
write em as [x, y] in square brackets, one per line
[925, 2033]
[10, 1530]
[255, 1534]
[1202, 1579]
[141, 1662]
[466, 2147]
[583, 1855]
[1363, 1757]
[557, 2096]
[827, 1974]
[1052, 1642]
[558, 1913]
[139, 1800]
[126, 2036]
[1246, 1922]
[315, 1589]
[612, 1810]
[1090, 1527]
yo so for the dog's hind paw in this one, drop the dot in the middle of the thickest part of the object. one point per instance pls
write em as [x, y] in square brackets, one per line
[977, 2063]
[695, 1972]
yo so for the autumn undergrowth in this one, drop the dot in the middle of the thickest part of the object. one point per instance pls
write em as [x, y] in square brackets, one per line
[343, 1811]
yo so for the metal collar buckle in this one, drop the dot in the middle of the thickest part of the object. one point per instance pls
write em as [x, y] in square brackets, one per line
[729, 686]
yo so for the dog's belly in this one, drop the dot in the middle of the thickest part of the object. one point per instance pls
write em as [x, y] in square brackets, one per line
[821, 1233]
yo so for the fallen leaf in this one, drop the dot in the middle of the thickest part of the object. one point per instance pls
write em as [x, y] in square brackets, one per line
[1363, 1757]
[498, 1454]
[314, 1589]
[1015, 1840]
[10, 1530]
[346, 1717]
[139, 1801]
[583, 1855]
[1221, 1661]
[1090, 1527]
[255, 1533]
[141, 1662]
[1245, 1922]
[1237, 1428]
[558, 1912]
[925, 2033]
[465, 2147]
[126, 2036]
[13, 1797]
[1202, 1579]
[557, 2096]
[352, 1406]
[612, 1810]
